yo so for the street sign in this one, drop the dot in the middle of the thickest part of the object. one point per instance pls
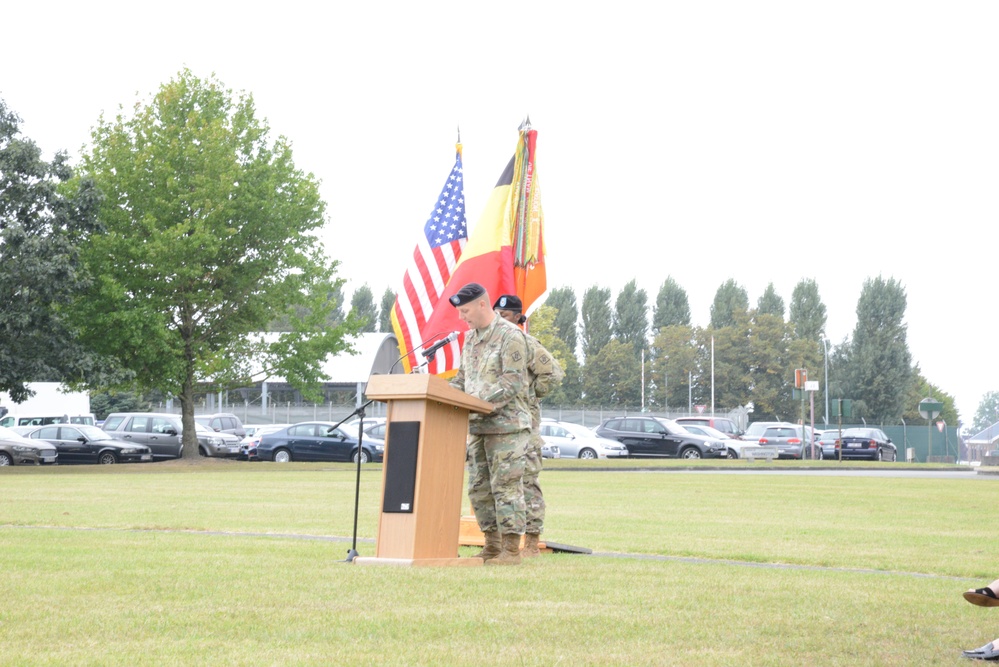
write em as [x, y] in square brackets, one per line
[812, 385]
[930, 409]
[700, 409]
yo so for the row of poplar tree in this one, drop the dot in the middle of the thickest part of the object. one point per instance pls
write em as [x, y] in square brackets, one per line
[608, 344]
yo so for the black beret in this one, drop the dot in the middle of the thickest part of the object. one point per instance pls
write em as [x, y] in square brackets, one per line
[509, 302]
[467, 294]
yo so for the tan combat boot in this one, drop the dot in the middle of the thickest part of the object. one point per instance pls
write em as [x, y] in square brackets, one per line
[530, 549]
[493, 547]
[511, 551]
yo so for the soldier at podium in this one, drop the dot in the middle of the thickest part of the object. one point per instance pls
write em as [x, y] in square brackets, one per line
[494, 369]
[544, 375]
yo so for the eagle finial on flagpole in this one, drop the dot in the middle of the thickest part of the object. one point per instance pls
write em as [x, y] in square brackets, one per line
[526, 125]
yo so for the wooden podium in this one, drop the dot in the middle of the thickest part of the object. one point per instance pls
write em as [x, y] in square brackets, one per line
[423, 472]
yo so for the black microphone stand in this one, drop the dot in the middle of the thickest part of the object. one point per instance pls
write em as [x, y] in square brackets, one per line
[352, 552]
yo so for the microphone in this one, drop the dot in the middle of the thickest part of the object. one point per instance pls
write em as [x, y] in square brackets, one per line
[432, 350]
[411, 351]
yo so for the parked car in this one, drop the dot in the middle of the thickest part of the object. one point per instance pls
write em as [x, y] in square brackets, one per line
[161, 432]
[15, 449]
[79, 443]
[735, 446]
[755, 430]
[792, 441]
[351, 426]
[867, 443]
[829, 442]
[252, 439]
[655, 436]
[578, 442]
[315, 441]
[550, 451]
[723, 424]
[223, 422]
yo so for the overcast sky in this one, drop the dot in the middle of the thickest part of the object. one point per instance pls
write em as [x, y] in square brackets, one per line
[760, 141]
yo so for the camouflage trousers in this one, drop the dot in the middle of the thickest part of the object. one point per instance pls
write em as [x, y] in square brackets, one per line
[496, 464]
[534, 500]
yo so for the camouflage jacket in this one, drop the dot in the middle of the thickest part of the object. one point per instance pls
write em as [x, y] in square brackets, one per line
[544, 375]
[494, 368]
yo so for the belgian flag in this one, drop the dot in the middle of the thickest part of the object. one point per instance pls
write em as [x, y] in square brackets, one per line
[505, 250]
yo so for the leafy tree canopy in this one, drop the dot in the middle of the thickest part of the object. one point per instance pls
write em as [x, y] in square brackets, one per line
[807, 313]
[563, 300]
[596, 316]
[385, 318]
[631, 320]
[211, 235]
[542, 325]
[44, 219]
[613, 376]
[987, 412]
[362, 308]
[880, 365]
[730, 299]
[672, 306]
[770, 303]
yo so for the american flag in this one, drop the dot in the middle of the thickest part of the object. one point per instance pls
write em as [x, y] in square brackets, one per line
[437, 251]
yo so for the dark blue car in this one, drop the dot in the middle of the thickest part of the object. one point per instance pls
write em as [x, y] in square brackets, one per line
[316, 441]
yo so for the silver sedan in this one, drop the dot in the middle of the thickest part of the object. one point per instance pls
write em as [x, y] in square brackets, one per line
[578, 442]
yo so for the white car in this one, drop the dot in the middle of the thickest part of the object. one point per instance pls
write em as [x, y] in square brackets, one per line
[578, 442]
[735, 447]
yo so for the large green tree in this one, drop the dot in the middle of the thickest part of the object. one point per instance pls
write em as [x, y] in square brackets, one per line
[731, 377]
[769, 374]
[45, 217]
[362, 308]
[596, 320]
[921, 388]
[987, 413]
[770, 303]
[542, 325]
[880, 365]
[672, 306]
[613, 376]
[631, 317]
[807, 313]
[730, 300]
[563, 300]
[675, 356]
[385, 313]
[211, 235]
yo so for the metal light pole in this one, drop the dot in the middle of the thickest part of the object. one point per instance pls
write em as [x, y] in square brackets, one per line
[825, 355]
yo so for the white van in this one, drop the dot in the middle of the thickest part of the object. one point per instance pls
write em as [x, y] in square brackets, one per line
[44, 420]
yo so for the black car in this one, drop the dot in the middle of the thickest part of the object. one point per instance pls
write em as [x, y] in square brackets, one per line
[655, 436]
[79, 443]
[866, 443]
[315, 441]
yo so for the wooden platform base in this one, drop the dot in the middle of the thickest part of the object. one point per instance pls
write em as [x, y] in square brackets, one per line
[419, 562]
[469, 535]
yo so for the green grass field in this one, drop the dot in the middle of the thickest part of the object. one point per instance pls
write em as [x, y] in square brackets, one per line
[231, 563]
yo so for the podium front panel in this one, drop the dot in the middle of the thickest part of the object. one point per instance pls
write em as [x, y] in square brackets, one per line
[400, 466]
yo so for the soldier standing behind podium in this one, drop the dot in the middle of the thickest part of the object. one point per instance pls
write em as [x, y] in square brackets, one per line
[494, 369]
[544, 375]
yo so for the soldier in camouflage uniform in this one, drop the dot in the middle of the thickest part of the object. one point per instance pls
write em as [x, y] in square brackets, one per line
[494, 369]
[544, 375]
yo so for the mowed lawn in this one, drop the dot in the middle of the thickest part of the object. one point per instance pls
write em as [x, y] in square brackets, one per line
[229, 563]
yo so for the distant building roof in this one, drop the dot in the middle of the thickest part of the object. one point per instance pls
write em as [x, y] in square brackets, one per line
[987, 437]
[376, 353]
